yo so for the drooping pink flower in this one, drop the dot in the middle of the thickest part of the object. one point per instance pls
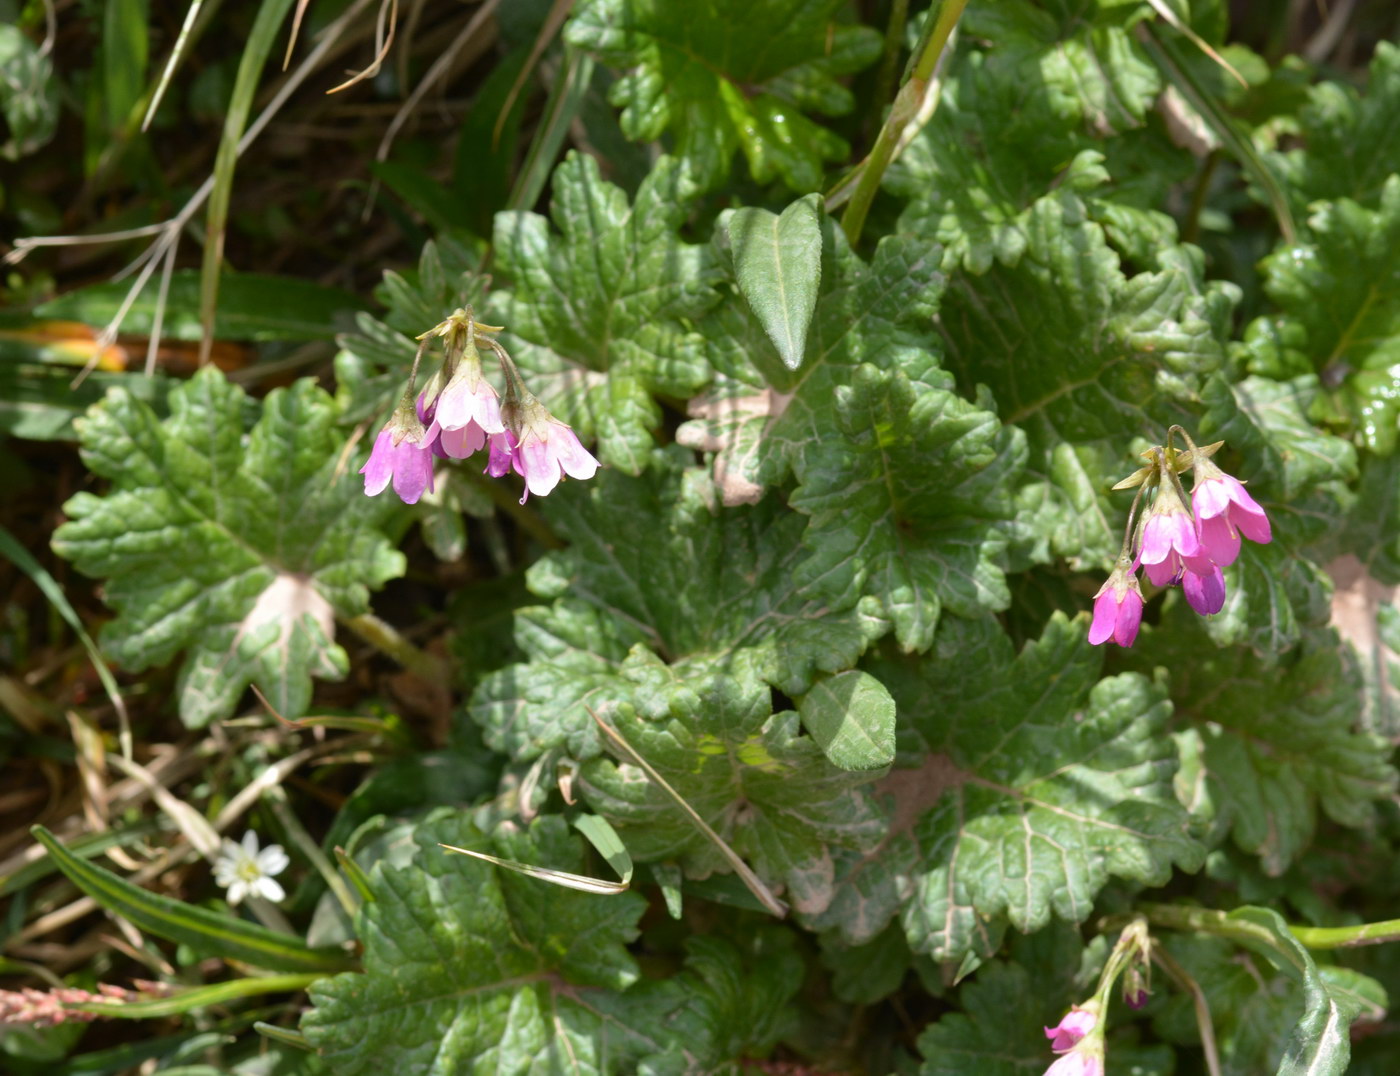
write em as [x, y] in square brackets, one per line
[542, 449]
[1204, 585]
[402, 454]
[1075, 1024]
[1117, 608]
[1168, 538]
[1224, 511]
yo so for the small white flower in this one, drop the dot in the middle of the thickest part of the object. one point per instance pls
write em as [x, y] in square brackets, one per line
[246, 872]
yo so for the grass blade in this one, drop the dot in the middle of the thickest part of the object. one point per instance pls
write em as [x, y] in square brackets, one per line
[1241, 146]
[742, 869]
[211, 933]
[24, 560]
[271, 15]
[200, 996]
[601, 835]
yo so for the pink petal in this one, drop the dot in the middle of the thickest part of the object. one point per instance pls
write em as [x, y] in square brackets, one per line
[1211, 497]
[1164, 573]
[461, 443]
[537, 464]
[413, 471]
[1183, 534]
[1218, 540]
[576, 460]
[1206, 593]
[1101, 630]
[1125, 631]
[1252, 522]
[502, 454]
[1156, 542]
[380, 466]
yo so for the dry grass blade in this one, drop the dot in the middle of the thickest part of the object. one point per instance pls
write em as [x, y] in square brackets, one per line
[743, 870]
[580, 882]
[1172, 19]
[552, 22]
[176, 55]
[297, 16]
[384, 40]
[440, 67]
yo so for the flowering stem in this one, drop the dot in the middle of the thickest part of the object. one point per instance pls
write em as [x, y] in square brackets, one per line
[905, 107]
[385, 638]
[1127, 549]
[1213, 921]
[1183, 979]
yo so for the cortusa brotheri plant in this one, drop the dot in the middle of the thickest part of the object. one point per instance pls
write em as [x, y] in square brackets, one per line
[649, 615]
[1172, 544]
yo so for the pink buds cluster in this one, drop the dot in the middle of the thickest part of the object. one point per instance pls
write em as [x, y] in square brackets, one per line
[459, 413]
[1172, 544]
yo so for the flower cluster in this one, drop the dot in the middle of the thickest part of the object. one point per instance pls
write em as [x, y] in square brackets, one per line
[459, 413]
[1175, 544]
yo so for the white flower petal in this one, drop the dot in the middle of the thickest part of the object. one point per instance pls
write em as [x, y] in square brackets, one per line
[237, 891]
[250, 844]
[272, 860]
[269, 889]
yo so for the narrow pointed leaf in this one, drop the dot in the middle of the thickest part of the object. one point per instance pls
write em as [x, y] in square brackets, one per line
[204, 931]
[778, 262]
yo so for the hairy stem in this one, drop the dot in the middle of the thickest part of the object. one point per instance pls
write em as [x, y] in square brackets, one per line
[385, 638]
[906, 104]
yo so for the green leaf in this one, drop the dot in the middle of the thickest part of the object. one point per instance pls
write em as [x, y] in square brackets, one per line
[469, 968]
[1271, 742]
[1085, 360]
[1000, 1030]
[463, 962]
[997, 143]
[778, 264]
[851, 716]
[204, 931]
[725, 75]
[768, 791]
[28, 96]
[596, 315]
[905, 503]
[240, 550]
[1045, 782]
[657, 587]
[252, 306]
[759, 419]
[1340, 298]
[1082, 57]
[1350, 142]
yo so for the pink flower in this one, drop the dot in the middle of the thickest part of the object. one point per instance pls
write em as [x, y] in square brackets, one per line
[460, 443]
[1074, 1037]
[542, 449]
[1076, 1023]
[1168, 539]
[469, 400]
[1224, 511]
[1077, 1063]
[502, 451]
[1117, 610]
[1205, 587]
[402, 453]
